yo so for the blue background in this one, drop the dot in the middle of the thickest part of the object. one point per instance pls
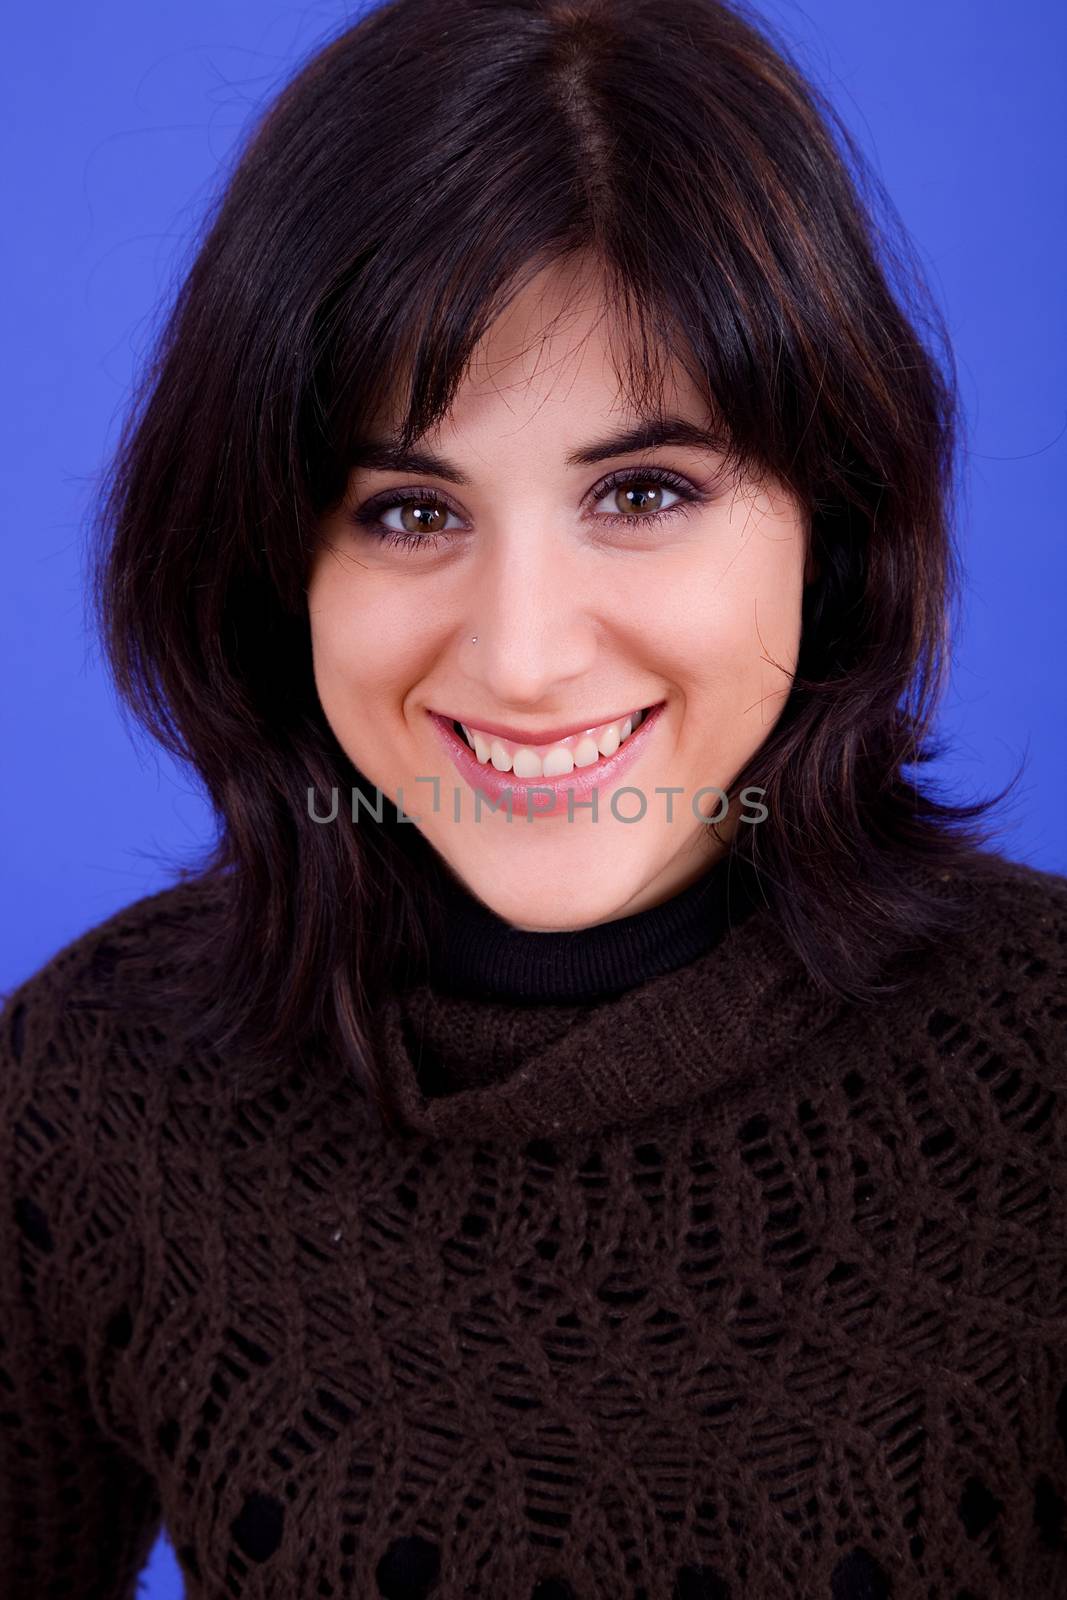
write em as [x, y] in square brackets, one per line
[118, 116]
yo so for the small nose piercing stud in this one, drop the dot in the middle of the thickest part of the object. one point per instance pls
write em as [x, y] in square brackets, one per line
[474, 638]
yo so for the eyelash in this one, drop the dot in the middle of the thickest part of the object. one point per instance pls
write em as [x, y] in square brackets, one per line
[367, 517]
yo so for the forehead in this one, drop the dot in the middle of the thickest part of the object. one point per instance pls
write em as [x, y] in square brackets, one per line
[560, 357]
[562, 334]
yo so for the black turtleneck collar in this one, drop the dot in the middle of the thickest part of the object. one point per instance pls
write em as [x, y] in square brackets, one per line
[483, 956]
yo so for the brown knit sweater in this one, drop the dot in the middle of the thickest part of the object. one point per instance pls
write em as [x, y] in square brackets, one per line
[713, 1290]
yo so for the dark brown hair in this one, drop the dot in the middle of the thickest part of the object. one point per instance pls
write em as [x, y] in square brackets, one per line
[411, 178]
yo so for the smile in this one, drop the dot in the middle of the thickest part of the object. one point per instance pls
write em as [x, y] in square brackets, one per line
[539, 778]
[550, 760]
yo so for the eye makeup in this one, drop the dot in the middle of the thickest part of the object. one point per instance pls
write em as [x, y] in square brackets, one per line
[368, 516]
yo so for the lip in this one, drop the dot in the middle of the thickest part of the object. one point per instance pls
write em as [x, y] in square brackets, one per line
[580, 783]
[543, 736]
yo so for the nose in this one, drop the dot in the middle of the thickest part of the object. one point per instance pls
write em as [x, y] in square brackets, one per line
[535, 619]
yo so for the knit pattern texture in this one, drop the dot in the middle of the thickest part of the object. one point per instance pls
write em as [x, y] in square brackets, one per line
[717, 1290]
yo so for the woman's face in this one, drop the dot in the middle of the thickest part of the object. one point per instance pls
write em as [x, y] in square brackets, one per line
[514, 537]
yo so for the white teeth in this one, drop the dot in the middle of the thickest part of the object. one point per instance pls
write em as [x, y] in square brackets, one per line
[527, 764]
[558, 761]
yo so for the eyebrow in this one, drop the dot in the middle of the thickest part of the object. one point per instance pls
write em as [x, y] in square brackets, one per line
[382, 455]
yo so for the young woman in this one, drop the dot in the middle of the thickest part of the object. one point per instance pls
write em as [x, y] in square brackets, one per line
[595, 1125]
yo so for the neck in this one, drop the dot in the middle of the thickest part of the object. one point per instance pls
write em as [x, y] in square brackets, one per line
[473, 951]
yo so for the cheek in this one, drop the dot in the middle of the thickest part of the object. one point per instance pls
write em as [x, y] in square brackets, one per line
[734, 643]
[366, 643]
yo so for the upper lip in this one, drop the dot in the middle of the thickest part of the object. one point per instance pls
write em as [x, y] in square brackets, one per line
[539, 735]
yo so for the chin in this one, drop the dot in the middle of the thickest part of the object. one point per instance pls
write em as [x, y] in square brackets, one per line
[537, 903]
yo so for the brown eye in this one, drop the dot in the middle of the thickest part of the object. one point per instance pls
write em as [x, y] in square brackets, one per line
[637, 496]
[422, 519]
[421, 516]
[647, 497]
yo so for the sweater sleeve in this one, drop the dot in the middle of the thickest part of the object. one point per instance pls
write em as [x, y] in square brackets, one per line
[78, 1516]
